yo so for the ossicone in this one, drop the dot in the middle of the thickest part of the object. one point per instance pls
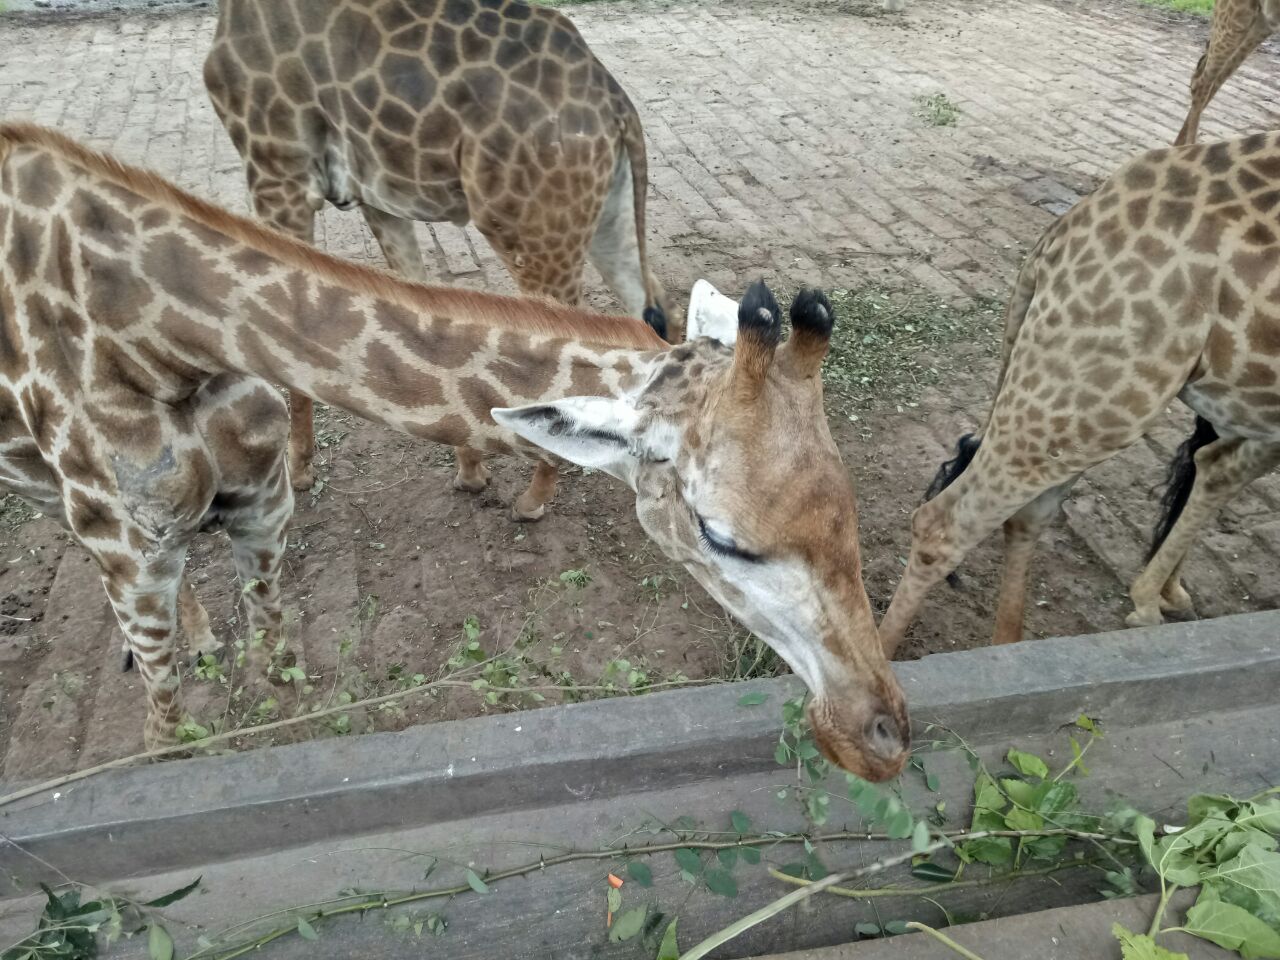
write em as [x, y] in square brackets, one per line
[759, 330]
[812, 319]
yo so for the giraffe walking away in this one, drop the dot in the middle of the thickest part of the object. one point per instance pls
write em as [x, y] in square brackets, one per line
[1235, 30]
[139, 327]
[490, 111]
[1163, 283]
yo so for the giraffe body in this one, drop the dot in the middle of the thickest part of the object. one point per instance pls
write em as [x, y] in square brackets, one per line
[1235, 30]
[490, 111]
[1163, 283]
[141, 330]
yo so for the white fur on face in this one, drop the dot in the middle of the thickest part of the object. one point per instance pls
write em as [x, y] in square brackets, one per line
[711, 314]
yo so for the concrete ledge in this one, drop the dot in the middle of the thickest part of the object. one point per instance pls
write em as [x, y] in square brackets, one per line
[165, 816]
[1081, 932]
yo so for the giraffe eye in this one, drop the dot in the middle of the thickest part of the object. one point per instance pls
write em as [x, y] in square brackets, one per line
[720, 544]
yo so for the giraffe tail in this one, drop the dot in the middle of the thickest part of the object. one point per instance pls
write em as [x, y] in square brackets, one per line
[656, 313]
[1179, 481]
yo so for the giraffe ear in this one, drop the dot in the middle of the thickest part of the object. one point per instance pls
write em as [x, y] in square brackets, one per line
[603, 433]
[711, 314]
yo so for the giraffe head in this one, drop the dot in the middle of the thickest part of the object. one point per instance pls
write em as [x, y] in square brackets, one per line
[725, 443]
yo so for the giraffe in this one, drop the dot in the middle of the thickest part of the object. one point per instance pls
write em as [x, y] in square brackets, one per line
[1236, 29]
[141, 330]
[490, 111]
[1163, 283]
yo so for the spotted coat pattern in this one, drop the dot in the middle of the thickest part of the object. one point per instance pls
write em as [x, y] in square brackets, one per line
[1236, 29]
[439, 110]
[1163, 283]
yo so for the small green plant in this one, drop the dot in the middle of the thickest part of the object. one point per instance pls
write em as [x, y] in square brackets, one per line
[189, 731]
[937, 110]
[208, 668]
[575, 578]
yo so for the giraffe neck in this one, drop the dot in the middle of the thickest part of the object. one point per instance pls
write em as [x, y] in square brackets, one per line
[428, 361]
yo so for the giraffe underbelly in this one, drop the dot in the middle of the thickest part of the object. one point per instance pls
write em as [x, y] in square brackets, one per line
[352, 181]
[1236, 410]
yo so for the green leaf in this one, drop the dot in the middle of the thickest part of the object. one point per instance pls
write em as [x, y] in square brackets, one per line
[1232, 927]
[1144, 828]
[640, 873]
[1138, 946]
[306, 931]
[1050, 798]
[688, 861]
[782, 754]
[175, 895]
[476, 884]
[727, 857]
[614, 900]
[932, 872]
[752, 699]
[667, 949]
[867, 929]
[900, 824]
[749, 854]
[1019, 791]
[721, 882]
[920, 837]
[1019, 819]
[740, 822]
[1028, 764]
[995, 851]
[627, 925]
[159, 943]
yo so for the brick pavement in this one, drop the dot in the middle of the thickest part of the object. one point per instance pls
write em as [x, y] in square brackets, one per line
[783, 141]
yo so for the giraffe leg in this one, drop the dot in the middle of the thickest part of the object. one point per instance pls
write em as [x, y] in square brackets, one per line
[539, 272]
[946, 528]
[532, 504]
[258, 537]
[400, 246]
[1222, 469]
[1231, 40]
[295, 216]
[145, 604]
[398, 242]
[195, 622]
[1021, 532]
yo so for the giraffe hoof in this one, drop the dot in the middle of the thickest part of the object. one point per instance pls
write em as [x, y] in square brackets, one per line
[471, 484]
[302, 479]
[525, 515]
[1178, 603]
[1145, 617]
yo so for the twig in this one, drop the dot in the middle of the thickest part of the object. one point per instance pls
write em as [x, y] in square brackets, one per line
[943, 939]
[860, 893]
[782, 903]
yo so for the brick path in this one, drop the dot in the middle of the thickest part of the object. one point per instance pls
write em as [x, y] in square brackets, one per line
[782, 141]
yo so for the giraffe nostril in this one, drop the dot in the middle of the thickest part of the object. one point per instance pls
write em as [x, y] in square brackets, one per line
[884, 736]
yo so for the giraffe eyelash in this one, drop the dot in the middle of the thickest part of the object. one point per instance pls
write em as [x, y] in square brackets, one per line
[720, 547]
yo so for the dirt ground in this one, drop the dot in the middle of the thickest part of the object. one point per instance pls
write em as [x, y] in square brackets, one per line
[789, 140]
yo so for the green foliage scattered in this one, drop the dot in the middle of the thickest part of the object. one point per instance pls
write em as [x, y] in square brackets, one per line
[1202, 7]
[887, 346]
[1227, 849]
[937, 110]
[70, 928]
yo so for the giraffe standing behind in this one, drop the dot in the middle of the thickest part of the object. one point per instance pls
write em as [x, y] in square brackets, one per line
[1236, 29]
[1163, 283]
[490, 111]
[139, 327]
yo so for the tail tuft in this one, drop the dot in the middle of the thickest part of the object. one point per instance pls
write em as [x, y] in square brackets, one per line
[128, 661]
[966, 449]
[656, 317]
[1179, 481]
